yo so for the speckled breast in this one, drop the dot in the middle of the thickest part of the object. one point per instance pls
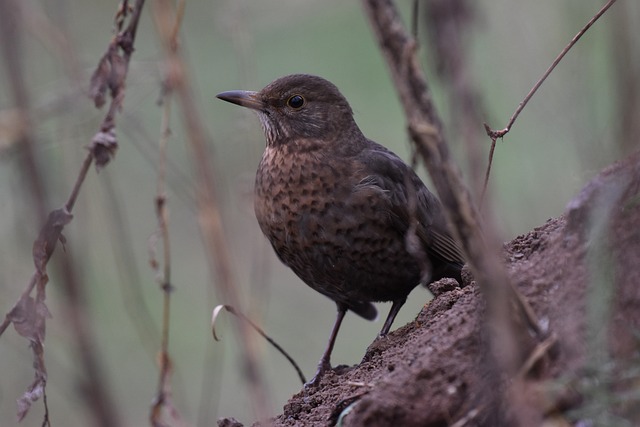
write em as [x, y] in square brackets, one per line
[337, 239]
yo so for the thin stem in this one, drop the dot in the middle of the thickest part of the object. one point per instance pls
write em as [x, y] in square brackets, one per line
[501, 133]
[495, 134]
[209, 216]
[86, 164]
[488, 173]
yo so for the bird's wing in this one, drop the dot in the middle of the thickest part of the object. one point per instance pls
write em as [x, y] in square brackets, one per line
[397, 183]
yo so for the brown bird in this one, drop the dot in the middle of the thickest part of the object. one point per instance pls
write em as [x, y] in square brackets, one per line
[347, 215]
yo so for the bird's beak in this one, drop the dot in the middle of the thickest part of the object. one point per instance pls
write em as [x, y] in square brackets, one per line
[242, 97]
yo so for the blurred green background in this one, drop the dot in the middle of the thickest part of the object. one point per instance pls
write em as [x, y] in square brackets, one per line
[566, 134]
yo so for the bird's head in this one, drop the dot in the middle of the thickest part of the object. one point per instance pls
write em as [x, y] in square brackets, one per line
[299, 107]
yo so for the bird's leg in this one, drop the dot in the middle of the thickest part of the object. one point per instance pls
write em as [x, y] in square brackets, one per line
[395, 308]
[325, 362]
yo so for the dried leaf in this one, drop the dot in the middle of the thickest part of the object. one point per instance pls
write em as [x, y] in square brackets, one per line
[118, 74]
[37, 388]
[103, 147]
[111, 74]
[214, 316]
[100, 81]
[230, 309]
[49, 235]
[34, 393]
[29, 317]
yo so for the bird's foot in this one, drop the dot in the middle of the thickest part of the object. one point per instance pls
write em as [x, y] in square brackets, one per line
[323, 367]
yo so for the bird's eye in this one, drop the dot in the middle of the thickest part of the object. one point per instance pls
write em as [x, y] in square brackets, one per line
[295, 102]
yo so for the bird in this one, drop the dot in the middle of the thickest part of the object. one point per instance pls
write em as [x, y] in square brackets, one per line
[348, 216]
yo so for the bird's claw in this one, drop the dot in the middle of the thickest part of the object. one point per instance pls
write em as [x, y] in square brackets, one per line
[323, 367]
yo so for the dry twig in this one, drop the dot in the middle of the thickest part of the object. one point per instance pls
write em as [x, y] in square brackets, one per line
[208, 213]
[495, 134]
[163, 401]
[214, 316]
[510, 323]
[29, 315]
[449, 24]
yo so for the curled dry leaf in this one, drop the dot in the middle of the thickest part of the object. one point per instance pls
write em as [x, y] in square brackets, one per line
[28, 318]
[103, 147]
[37, 387]
[230, 309]
[28, 397]
[110, 73]
[99, 81]
[214, 317]
[49, 236]
[118, 74]
[29, 315]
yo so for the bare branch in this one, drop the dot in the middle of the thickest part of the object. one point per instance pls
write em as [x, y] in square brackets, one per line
[209, 216]
[29, 315]
[214, 315]
[163, 402]
[495, 134]
[510, 323]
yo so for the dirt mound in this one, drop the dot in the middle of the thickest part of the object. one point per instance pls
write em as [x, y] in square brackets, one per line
[581, 275]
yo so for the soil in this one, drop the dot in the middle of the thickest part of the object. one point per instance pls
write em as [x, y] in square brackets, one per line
[579, 272]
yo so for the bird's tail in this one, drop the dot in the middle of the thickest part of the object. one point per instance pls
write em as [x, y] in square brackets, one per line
[363, 309]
